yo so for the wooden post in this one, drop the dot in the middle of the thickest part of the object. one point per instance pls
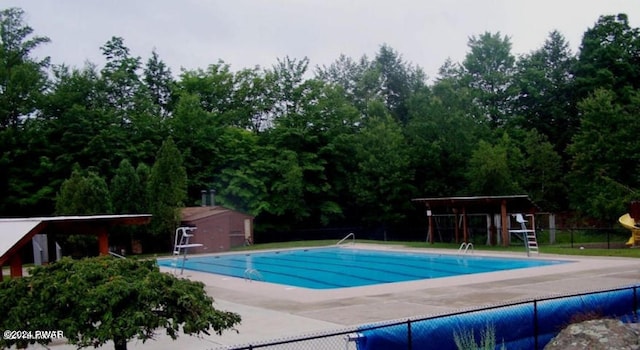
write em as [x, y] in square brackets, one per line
[103, 241]
[492, 230]
[533, 222]
[456, 229]
[465, 228]
[16, 265]
[503, 218]
[552, 228]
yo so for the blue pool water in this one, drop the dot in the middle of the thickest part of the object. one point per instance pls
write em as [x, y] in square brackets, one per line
[340, 267]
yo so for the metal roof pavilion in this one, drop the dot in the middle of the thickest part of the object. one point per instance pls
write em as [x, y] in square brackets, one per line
[17, 232]
[477, 204]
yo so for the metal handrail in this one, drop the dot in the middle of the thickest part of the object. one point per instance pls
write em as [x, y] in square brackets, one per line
[117, 255]
[466, 247]
[250, 272]
[353, 238]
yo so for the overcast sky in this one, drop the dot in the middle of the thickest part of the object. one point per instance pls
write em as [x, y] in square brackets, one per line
[244, 33]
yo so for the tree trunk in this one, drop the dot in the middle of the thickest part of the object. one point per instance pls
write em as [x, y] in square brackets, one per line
[120, 343]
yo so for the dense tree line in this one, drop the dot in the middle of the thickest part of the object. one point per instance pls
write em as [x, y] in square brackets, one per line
[348, 144]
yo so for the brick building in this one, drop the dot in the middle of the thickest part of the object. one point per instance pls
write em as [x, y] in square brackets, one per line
[217, 228]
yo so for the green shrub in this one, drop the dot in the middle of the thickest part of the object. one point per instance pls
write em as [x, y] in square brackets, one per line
[466, 340]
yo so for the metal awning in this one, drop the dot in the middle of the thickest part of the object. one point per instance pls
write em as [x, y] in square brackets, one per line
[477, 204]
[16, 232]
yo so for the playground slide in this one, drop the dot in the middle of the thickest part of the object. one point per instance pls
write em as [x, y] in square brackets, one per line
[627, 222]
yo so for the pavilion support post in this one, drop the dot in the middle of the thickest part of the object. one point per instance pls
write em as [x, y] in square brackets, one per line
[465, 227]
[503, 223]
[16, 265]
[1, 273]
[533, 224]
[492, 239]
[533, 221]
[456, 230]
[552, 228]
[103, 241]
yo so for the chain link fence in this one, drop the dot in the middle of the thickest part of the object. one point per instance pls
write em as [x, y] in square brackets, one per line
[523, 325]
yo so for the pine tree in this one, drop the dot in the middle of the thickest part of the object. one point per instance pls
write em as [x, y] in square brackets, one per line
[166, 189]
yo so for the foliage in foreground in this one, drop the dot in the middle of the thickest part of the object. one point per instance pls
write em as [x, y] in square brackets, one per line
[465, 339]
[96, 300]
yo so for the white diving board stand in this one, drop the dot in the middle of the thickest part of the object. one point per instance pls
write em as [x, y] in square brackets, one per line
[181, 245]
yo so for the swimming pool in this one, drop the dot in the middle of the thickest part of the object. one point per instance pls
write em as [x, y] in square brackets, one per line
[342, 267]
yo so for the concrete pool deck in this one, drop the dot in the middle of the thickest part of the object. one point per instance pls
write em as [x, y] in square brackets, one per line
[272, 311]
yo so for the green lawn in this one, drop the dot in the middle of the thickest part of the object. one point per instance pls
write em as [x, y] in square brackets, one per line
[562, 249]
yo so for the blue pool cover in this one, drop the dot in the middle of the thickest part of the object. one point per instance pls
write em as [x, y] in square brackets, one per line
[515, 326]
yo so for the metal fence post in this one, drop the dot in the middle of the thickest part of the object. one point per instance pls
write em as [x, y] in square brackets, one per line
[535, 324]
[635, 303]
[571, 231]
[409, 335]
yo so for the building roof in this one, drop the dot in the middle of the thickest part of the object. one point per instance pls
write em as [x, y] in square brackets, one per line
[196, 213]
[16, 232]
[479, 204]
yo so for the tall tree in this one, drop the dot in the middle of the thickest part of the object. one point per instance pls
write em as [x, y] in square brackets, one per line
[290, 86]
[609, 58]
[545, 101]
[121, 79]
[606, 155]
[397, 81]
[441, 137]
[349, 74]
[381, 179]
[84, 193]
[239, 181]
[22, 78]
[488, 69]
[197, 134]
[304, 142]
[135, 121]
[388, 78]
[166, 189]
[214, 87]
[159, 82]
[542, 172]
[127, 194]
[85, 131]
[255, 96]
[495, 169]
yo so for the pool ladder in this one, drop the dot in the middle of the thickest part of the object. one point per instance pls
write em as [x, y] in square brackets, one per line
[350, 235]
[464, 248]
[251, 274]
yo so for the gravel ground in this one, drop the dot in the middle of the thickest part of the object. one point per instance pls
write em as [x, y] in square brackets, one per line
[602, 334]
